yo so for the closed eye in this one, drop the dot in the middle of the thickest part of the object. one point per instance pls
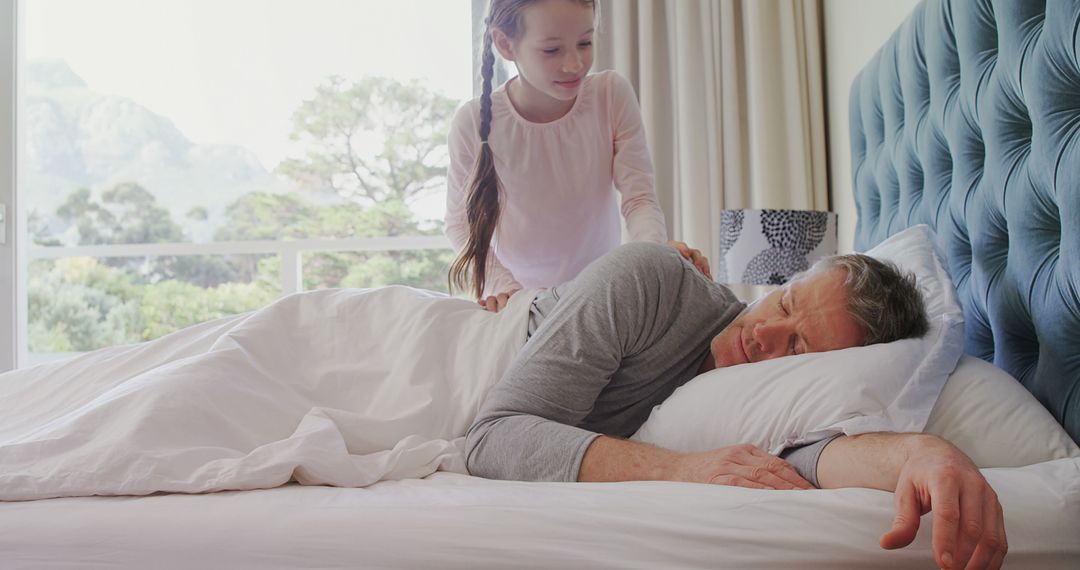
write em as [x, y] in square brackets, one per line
[792, 345]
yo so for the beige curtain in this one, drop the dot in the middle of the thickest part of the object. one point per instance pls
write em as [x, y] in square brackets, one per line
[732, 97]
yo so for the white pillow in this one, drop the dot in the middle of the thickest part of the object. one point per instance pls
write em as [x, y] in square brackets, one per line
[992, 418]
[801, 399]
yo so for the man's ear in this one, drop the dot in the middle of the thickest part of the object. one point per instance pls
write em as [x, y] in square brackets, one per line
[502, 44]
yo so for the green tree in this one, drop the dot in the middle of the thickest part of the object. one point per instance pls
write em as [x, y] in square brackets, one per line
[265, 216]
[377, 145]
[172, 305]
[37, 226]
[127, 213]
[371, 141]
[79, 304]
[260, 216]
[198, 214]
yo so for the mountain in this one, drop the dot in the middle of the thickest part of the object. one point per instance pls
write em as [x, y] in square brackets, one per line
[75, 137]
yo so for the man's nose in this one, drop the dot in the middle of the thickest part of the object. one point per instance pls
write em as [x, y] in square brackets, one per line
[772, 338]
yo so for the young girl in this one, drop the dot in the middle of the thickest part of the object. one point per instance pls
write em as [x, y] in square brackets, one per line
[532, 165]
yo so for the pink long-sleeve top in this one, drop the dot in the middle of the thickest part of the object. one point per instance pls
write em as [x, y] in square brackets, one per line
[562, 183]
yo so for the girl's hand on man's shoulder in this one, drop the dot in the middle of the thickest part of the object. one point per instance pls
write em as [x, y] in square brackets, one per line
[497, 302]
[694, 256]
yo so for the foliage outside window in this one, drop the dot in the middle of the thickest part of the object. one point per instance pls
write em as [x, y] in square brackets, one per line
[102, 170]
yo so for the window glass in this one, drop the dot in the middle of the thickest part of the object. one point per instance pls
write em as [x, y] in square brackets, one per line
[159, 135]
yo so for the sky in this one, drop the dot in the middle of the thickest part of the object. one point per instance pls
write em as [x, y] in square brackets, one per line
[233, 71]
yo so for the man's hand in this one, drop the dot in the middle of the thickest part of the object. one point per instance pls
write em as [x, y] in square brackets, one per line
[969, 527]
[496, 303]
[739, 466]
[693, 256]
[926, 473]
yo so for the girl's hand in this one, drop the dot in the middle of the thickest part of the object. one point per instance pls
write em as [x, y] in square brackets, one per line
[496, 303]
[693, 256]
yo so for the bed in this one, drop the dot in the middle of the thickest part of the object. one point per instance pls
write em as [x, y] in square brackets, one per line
[950, 129]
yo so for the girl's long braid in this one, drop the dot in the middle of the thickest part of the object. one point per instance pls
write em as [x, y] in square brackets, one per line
[482, 201]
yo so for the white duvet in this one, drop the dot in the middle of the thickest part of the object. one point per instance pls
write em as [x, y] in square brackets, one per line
[336, 387]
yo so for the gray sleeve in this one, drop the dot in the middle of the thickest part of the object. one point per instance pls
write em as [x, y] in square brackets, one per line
[613, 309]
[805, 458]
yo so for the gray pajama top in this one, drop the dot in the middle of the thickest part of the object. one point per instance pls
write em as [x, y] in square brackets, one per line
[604, 349]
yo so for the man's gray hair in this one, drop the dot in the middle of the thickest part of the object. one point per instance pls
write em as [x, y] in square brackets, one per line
[884, 300]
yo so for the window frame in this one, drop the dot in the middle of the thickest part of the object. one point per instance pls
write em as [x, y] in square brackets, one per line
[12, 296]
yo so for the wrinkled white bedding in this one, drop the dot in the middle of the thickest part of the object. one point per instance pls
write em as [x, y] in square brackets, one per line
[450, 521]
[339, 387]
[361, 388]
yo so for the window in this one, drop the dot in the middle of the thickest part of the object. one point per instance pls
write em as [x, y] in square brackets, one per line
[182, 161]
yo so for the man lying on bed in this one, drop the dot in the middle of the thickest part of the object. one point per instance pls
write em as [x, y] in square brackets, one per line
[614, 342]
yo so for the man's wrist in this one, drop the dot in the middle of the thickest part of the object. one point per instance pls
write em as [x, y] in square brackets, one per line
[872, 460]
[613, 459]
[916, 444]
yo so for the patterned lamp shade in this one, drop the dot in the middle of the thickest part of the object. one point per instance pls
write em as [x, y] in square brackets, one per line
[767, 247]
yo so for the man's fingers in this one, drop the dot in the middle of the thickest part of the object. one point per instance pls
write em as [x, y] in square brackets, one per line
[979, 559]
[971, 524]
[762, 475]
[906, 523]
[785, 471]
[997, 561]
[990, 552]
[1004, 546]
[944, 500]
[757, 457]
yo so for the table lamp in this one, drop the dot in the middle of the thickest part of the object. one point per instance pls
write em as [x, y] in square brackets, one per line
[768, 247]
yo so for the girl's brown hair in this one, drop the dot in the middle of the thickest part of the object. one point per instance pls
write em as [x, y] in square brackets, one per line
[482, 197]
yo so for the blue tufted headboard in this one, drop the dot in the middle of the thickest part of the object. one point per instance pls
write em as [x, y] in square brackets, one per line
[968, 120]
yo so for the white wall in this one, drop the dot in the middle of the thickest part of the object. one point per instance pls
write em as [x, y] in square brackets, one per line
[854, 30]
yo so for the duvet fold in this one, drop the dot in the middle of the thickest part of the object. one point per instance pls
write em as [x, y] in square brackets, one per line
[341, 387]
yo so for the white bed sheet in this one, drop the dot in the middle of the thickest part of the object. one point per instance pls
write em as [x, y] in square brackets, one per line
[455, 521]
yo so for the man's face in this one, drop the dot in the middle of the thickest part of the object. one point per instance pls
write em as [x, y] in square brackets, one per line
[805, 315]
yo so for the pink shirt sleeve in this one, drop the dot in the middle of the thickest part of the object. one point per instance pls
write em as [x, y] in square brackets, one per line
[462, 145]
[632, 169]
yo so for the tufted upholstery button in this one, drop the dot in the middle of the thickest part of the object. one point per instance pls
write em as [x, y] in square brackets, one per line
[968, 120]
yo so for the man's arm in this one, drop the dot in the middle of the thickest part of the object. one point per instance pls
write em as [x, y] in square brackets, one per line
[612, 459]
[633, 325]
[925, 472]
[526, 428]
